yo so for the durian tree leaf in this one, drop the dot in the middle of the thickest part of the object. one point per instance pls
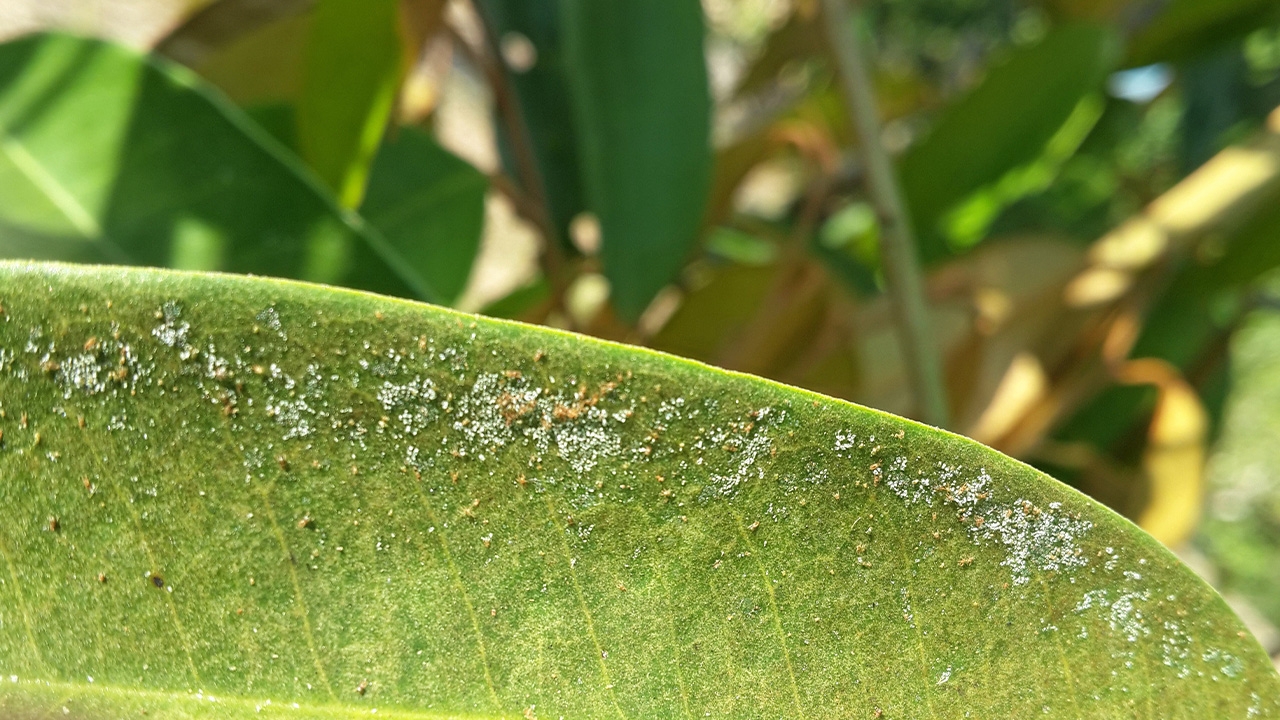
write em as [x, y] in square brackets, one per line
[232, 497]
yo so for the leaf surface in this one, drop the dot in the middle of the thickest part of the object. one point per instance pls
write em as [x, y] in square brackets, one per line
[235, 497]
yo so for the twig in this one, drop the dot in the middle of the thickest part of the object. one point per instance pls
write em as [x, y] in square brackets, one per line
[897, 243]
[488, 61]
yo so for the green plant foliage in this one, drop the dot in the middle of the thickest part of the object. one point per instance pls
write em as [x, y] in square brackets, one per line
[351, 73]
[1185, 28]
[638, 79]
[1243, 508]
[1003, 123]
[235, 498]
[109, 156]
[429, 204]
[543, 93]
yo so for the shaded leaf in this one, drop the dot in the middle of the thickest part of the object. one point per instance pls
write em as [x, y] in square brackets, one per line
[264, 66]
[1185, 28]
[1003, 123]
[352, 69]
[130, 159]
[298, 498]
[429, 205]
[221, 23]
[638, 79]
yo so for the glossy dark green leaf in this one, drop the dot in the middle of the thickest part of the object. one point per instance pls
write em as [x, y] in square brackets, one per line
[232, 498]
[122, 158]
[352, 69]
[638, 79]
[1003, 123]
[429, 205]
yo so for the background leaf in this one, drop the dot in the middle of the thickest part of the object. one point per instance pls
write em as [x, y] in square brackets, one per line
[429, 205]
[118, 158]
[543, 94]
[638, 79]
[225, 491]
[1003, 123]
[352, 68]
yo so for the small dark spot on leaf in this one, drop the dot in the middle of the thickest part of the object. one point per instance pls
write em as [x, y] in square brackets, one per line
[157, 581]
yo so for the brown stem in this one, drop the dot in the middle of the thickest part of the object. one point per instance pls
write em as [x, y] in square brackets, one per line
[903, 278]
[488, 61]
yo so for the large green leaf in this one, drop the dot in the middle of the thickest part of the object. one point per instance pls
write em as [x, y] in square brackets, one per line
[351, 71]
[1005, 122]
[234, 498]
[638, 79]
[110, 156]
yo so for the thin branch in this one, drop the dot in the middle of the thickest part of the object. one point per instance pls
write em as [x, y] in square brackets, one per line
[488, 61]
[897, 243]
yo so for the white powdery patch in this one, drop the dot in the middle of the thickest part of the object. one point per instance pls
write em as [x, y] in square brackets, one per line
[85, 373]
[411, 402]
[170, 332]
[295, 414]
[1123, 614]
[585, 443]
[1033, 538]
[745, 444]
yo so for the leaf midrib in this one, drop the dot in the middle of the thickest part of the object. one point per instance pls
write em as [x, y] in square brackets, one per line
[250, 705]
[57, 194]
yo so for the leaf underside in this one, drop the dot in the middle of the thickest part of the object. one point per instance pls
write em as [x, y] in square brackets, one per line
[230, 497]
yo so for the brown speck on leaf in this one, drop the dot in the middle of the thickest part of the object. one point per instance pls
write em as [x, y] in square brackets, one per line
[539, 356]
[528, 714]
[379, 315]
[754, 526]
[304, 521]
[22, 422]
[91, 344]
[962, 562]
[283, 462]
[54, 525]
[521, 480]
[102, 578]
[364, 684]
[157, 581]
[80, 421]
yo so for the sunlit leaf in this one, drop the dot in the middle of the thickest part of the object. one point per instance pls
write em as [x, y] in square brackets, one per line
[242, 498]
[352, 68]
[1003, 123]
[122, 158]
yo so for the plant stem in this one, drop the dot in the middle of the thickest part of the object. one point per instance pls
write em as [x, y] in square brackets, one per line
[489, 61]
[897, 242]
